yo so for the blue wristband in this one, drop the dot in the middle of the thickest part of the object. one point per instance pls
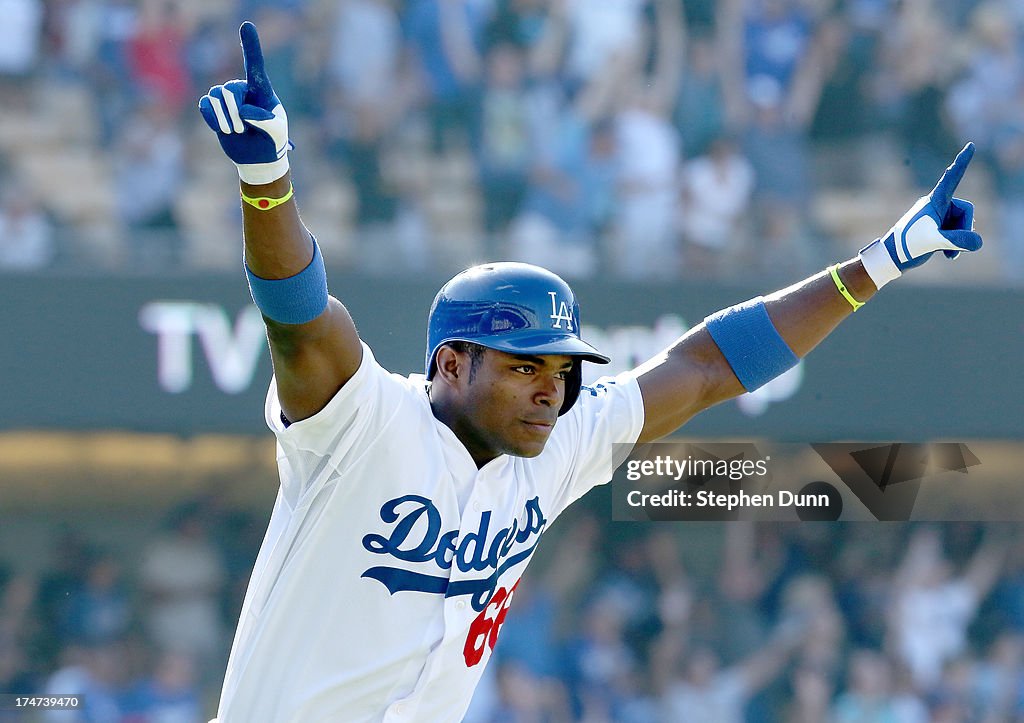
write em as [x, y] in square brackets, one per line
[294, 300]
[751, 343]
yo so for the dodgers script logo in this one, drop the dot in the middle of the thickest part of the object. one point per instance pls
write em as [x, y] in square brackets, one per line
[473, 552]
[560, 312]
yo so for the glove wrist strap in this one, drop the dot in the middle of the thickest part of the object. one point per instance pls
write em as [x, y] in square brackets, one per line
[257, 174]
[879, 264]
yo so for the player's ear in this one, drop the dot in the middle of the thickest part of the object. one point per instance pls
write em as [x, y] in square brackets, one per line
[451, 365]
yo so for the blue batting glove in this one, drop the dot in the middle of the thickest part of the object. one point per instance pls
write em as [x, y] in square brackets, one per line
[248, 117]
[937, 222]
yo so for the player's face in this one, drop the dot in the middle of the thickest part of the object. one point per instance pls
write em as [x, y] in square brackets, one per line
[512, 403]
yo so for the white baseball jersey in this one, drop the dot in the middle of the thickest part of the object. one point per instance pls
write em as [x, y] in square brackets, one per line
[390, 559]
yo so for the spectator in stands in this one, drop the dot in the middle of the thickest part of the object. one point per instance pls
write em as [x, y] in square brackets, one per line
[777, 36]
[149, 170]
[20, 36]
[775, 60]
[629, 586]
[707, 692]
[845, 122]
[932, 608]
[21, 633]
[645, 241]
[503, 157]
[743, 578]
[954, 699]
[674, 587]
[519, 22]
[862, 577]
[986, 103]
[69, 561]
[809, 606]
[95, 672]
[156, 55]
[810, 696]
[26, 234]
[183, 576]
[868, 695]
[368, 91]
[1008, 167]
[71, 34]
[985, 99]
[569, 197]
[598, 34]
[15, 675]
[210, 53]
[365, 60]
[601, 663]
[1009, 592]
[99, 609]
[170, 694]
[445, 37]
[998, 680]
[523, 697]
[716, 191]
[914, 67]
[908, 702]
[645, 236]
[699, 114]
[110, 73]
[19, 620]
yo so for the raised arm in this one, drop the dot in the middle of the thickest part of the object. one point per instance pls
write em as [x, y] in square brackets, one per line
[313, 342]
[740, 348]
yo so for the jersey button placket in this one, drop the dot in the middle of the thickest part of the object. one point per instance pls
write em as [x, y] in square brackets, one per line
[455, 608]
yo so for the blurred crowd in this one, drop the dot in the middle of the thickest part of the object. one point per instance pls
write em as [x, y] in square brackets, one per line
[641, 139]
[140, 635]
[692, 623]
[744, 623]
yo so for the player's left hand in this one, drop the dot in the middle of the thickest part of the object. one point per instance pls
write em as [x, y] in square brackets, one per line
[937, 222]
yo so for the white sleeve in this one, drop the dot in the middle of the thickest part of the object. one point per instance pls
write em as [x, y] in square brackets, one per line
[310, 450]
[598, 433]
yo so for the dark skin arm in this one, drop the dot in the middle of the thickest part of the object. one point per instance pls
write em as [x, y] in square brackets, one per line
[692, 374]
[312, 361]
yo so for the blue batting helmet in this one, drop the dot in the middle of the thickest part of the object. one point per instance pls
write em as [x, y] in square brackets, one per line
[514, 308]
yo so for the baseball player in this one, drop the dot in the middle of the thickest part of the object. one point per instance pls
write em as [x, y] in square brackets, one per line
[410, 507]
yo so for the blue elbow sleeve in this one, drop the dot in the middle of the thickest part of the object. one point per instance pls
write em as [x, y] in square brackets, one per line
[751, 343]
[295, 300]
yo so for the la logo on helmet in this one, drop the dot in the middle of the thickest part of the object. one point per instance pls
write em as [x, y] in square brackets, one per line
[560, 312]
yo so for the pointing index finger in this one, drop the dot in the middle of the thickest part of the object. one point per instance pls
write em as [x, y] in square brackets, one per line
[942, 194]
[259, 91]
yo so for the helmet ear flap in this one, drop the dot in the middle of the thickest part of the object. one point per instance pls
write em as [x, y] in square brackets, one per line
[573, 384]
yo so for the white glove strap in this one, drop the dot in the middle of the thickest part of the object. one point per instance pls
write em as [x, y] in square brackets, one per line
[879, 264]
[257, 174]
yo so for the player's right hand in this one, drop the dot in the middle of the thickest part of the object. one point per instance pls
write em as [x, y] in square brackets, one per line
[937, 222]
[248, 117]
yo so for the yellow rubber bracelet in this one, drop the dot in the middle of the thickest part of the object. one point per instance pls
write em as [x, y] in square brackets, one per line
[265, 204]
[834, 271]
